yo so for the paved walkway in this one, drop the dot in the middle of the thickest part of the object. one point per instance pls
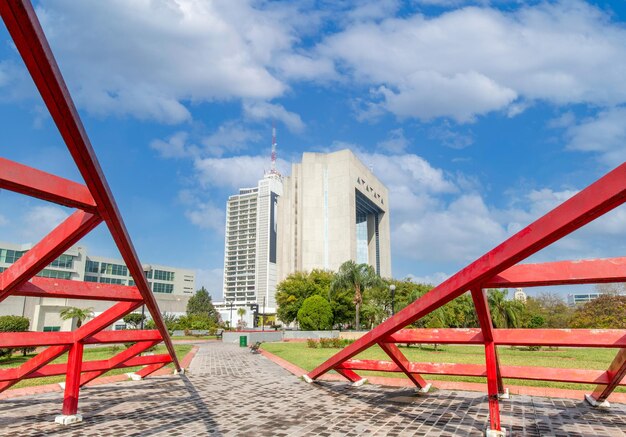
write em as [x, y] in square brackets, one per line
[229, 391]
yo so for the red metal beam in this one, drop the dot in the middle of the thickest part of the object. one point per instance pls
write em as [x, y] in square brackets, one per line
[33, 339]
[402, 362]
[591, 271]
[515, 337]
[589, 204]
[150, 369]
[107, 318]
[25, 29]
[47, 250]
[616, 373]
[13, 376]
[72, 379]
[580, 376]
[36, 183]
[349, 375]
[68, 289]
[494, 378]
[87, 367]
[118, 360]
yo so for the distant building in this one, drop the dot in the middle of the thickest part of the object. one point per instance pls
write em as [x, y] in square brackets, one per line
[329, 210]
[333, 210]
[172, 286]
[580, 298]
[520, 295]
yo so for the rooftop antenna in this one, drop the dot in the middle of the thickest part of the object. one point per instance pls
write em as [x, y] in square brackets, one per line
[273, 168]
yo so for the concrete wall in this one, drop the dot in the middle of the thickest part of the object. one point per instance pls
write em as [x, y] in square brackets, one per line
[253, 337]
[301, 335]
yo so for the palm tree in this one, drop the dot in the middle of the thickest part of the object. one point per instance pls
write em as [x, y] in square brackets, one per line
[504, 313]
[80, 314]
[241, 312]
[358, 277]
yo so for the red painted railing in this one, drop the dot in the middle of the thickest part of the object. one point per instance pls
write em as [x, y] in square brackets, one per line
[499, 268]
[94, 204]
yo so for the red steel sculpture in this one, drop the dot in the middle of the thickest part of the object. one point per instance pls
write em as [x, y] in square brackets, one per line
[94, 204]
[499, 268]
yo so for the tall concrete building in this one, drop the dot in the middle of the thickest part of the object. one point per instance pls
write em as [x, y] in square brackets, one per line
[172, 286]
[250, 254]
[333, 209]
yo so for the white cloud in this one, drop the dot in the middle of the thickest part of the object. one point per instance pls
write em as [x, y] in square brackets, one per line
[408, 170]
[147, 59]
[207, 216]
[234, 172]
[230, 136]
[604, 134]
[174, 146]
[40, 220]
[434, 279]
[265, 111]
[450, 137]
[3, 220]
[472, 61]
[396, 143]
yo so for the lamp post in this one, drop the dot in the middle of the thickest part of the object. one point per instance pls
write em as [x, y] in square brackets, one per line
[230, 322]
[392, 289]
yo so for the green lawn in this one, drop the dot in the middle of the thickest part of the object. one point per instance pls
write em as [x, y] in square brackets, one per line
[90, 354]
[194, 337]
[580, 358]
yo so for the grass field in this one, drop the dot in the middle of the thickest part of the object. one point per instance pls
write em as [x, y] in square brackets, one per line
[90, 354]
[580, 358]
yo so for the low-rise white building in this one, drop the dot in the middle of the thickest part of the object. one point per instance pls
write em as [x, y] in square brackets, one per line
[172, 286]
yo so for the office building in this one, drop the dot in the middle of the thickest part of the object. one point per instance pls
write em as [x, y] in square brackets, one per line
[581, 298]
[250, 270]
[329, 210]
[333, 209]
[172, 286]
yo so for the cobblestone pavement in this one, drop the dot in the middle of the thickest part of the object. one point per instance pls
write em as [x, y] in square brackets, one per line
[229, 391]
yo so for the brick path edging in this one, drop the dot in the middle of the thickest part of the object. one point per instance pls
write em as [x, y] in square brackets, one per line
[48, 388]
[548, 392]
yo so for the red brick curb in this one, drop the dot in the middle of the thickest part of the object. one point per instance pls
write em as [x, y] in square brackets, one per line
[48, 388]
[449, 385]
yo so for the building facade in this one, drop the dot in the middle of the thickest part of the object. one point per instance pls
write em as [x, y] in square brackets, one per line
[171, 286]
[250, 252]
[333, 210]
[330, 210]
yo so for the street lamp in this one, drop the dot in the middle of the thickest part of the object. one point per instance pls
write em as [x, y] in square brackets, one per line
[392, 288]
[230, 322]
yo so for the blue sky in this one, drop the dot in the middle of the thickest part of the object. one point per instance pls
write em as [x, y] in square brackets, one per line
[478, 116]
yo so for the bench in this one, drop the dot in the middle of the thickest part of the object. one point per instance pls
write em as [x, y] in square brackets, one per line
[255, 347]
[219, 333]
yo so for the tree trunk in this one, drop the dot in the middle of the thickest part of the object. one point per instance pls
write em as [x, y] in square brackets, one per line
[358, 318]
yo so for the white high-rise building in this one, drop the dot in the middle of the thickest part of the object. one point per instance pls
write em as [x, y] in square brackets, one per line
[250, 245]
[331, 209]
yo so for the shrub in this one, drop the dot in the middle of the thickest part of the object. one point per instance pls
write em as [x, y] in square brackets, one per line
[315, 314]
[13, 324]
[312, 343]
[336, 342]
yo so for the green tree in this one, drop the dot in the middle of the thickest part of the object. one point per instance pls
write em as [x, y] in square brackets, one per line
[201, 303]
[293, 290]
[605, 312]
[80, 314]
[358, 278]
[315, 314]
[552, 308]
[134, 319]
[241, 323]
[505, 313]
[13, 324]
